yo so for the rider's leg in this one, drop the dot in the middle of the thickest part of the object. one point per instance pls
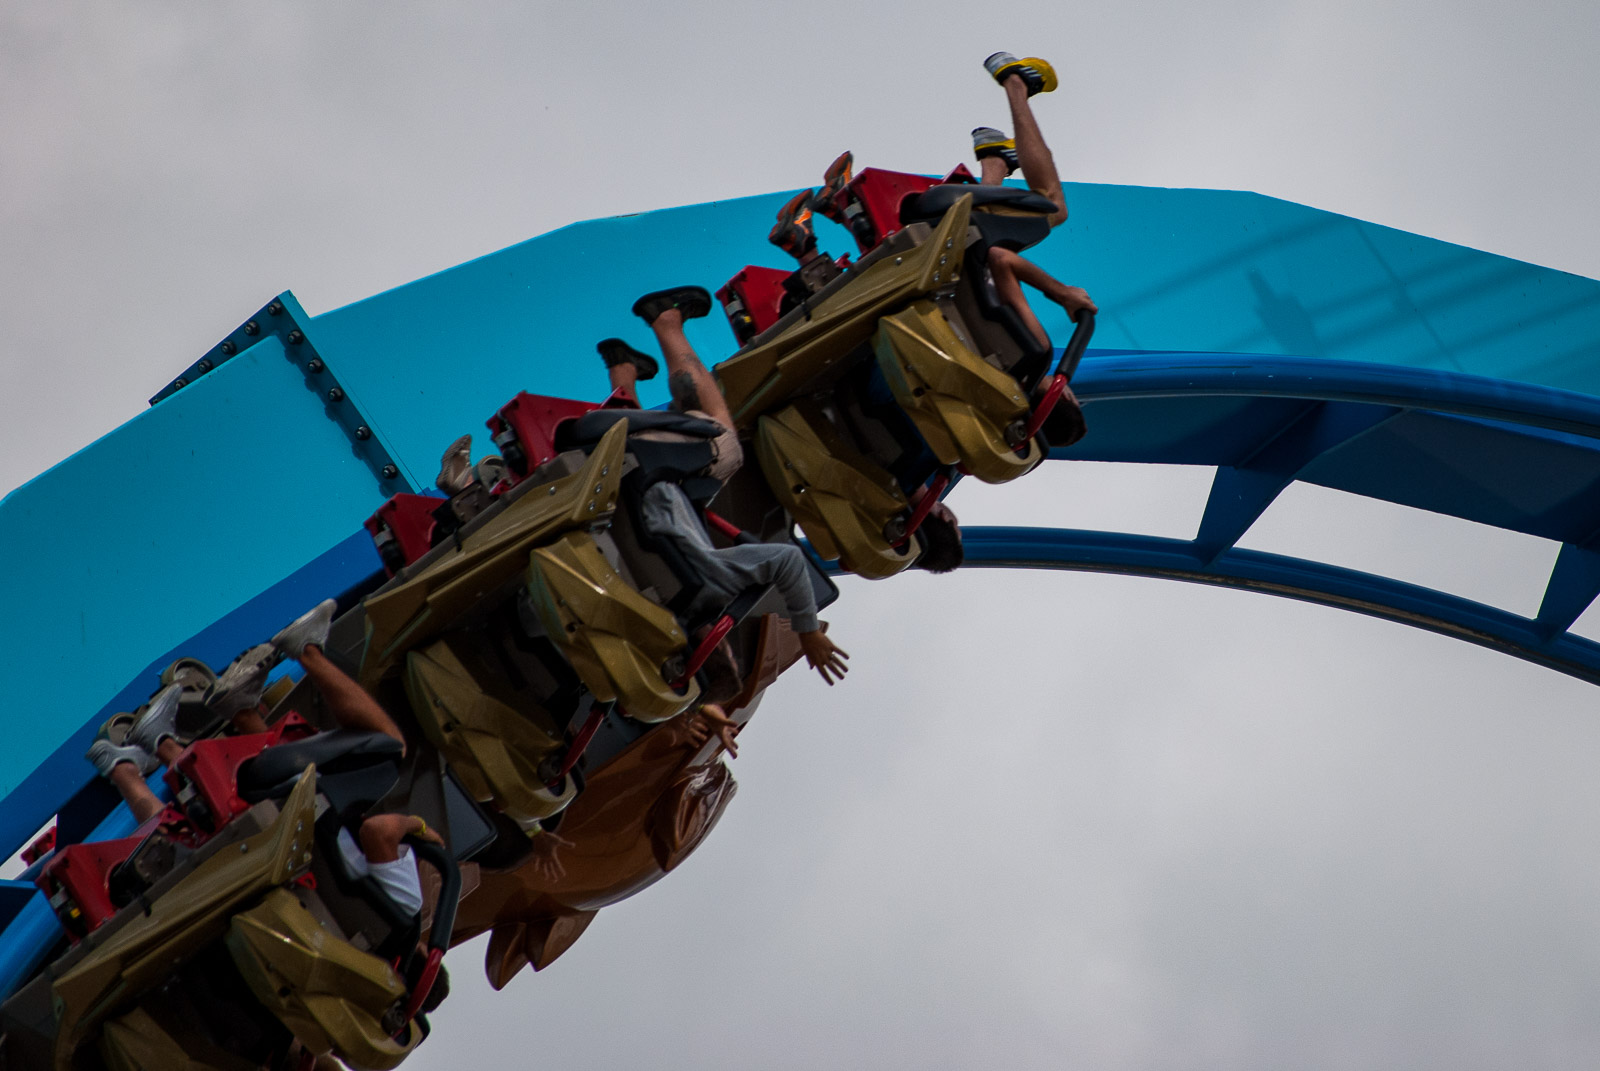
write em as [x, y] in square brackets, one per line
[347, 701]
[681, 358]
[135, 793]
[623, 377]
[124, 765]
[996, 155]
[1038, 166]
[625, 366]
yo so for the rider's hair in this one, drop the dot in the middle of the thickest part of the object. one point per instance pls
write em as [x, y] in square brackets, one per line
[685, 395]
[941, 545]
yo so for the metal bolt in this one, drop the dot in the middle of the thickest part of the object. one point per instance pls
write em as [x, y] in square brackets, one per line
[315, 365]
[948, 242]
[898, 259]
[335, 395]
[204, 365]
[180, 382]
[243, 848]
[252, 328]
[228, 348]
[275, 309]
[390, 472]
[295, 338]
[363, 432]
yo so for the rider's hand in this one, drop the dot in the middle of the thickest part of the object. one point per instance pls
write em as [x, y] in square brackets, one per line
[1075, 299]
[712, 719]
[823, 655]
[544, 861]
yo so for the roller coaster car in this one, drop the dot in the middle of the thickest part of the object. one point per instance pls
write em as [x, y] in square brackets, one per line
[905, 363]
[222, 950]
[554, 611]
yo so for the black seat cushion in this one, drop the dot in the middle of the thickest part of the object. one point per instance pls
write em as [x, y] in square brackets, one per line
[934, 202]
[1022, 223]
[591, 427]
[355, 769]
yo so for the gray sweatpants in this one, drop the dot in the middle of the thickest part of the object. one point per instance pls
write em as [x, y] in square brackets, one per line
[668, 514]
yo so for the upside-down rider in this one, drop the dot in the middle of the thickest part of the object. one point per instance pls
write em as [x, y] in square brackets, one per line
[998, 156]
[377, 848]
[666, 509]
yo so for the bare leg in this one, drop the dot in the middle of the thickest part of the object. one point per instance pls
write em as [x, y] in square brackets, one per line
[623, 378]
[168, 751]
[1033, 155]
[681, 357]
[992, 170]
[135, 793]
[347, 701]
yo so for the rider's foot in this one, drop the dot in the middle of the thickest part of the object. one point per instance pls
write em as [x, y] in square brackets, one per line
[614, 351]
[691, 301]
[1035, 73]
[792, 233]
[158, 722]
[834, 180]
[106, 756]
[307, 630]
[988, 142]
[455, 467]
[241, 684]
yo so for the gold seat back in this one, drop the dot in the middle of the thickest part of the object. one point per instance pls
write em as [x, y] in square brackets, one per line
[969, 411]
[617, 640]
[842, 500]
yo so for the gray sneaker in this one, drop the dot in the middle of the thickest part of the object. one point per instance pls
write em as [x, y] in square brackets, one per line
[241, 684]
[159, 720]
[106, 756]
[309, 628]
[455, 467]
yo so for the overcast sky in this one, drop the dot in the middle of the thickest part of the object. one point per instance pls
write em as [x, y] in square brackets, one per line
[1050, 819]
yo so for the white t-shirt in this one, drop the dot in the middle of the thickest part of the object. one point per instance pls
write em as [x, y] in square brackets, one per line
[398, 878]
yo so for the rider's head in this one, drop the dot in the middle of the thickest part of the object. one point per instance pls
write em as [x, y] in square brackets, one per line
[685, 395]
[941, 541]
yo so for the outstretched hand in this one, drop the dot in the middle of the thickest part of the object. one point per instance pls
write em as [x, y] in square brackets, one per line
[711, 720]
[824, 656]
[544, 861]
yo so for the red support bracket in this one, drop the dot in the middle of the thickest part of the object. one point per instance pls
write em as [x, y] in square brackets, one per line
[718, 633]
[1042, 411]
[925, 504]
[419, 995]
[580, 743]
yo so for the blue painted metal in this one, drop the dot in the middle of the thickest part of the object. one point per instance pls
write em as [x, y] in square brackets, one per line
[1295, 578]
[55, 781]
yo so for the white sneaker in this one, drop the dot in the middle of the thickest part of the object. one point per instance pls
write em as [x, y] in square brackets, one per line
[309, 628]
[241, 684]
[106, 756]
[158, 722]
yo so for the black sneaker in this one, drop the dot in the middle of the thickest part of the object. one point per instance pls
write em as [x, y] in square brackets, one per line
[692, 301]
[614, 351]
[987, 142]
[1035, 73]
[792, 233]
